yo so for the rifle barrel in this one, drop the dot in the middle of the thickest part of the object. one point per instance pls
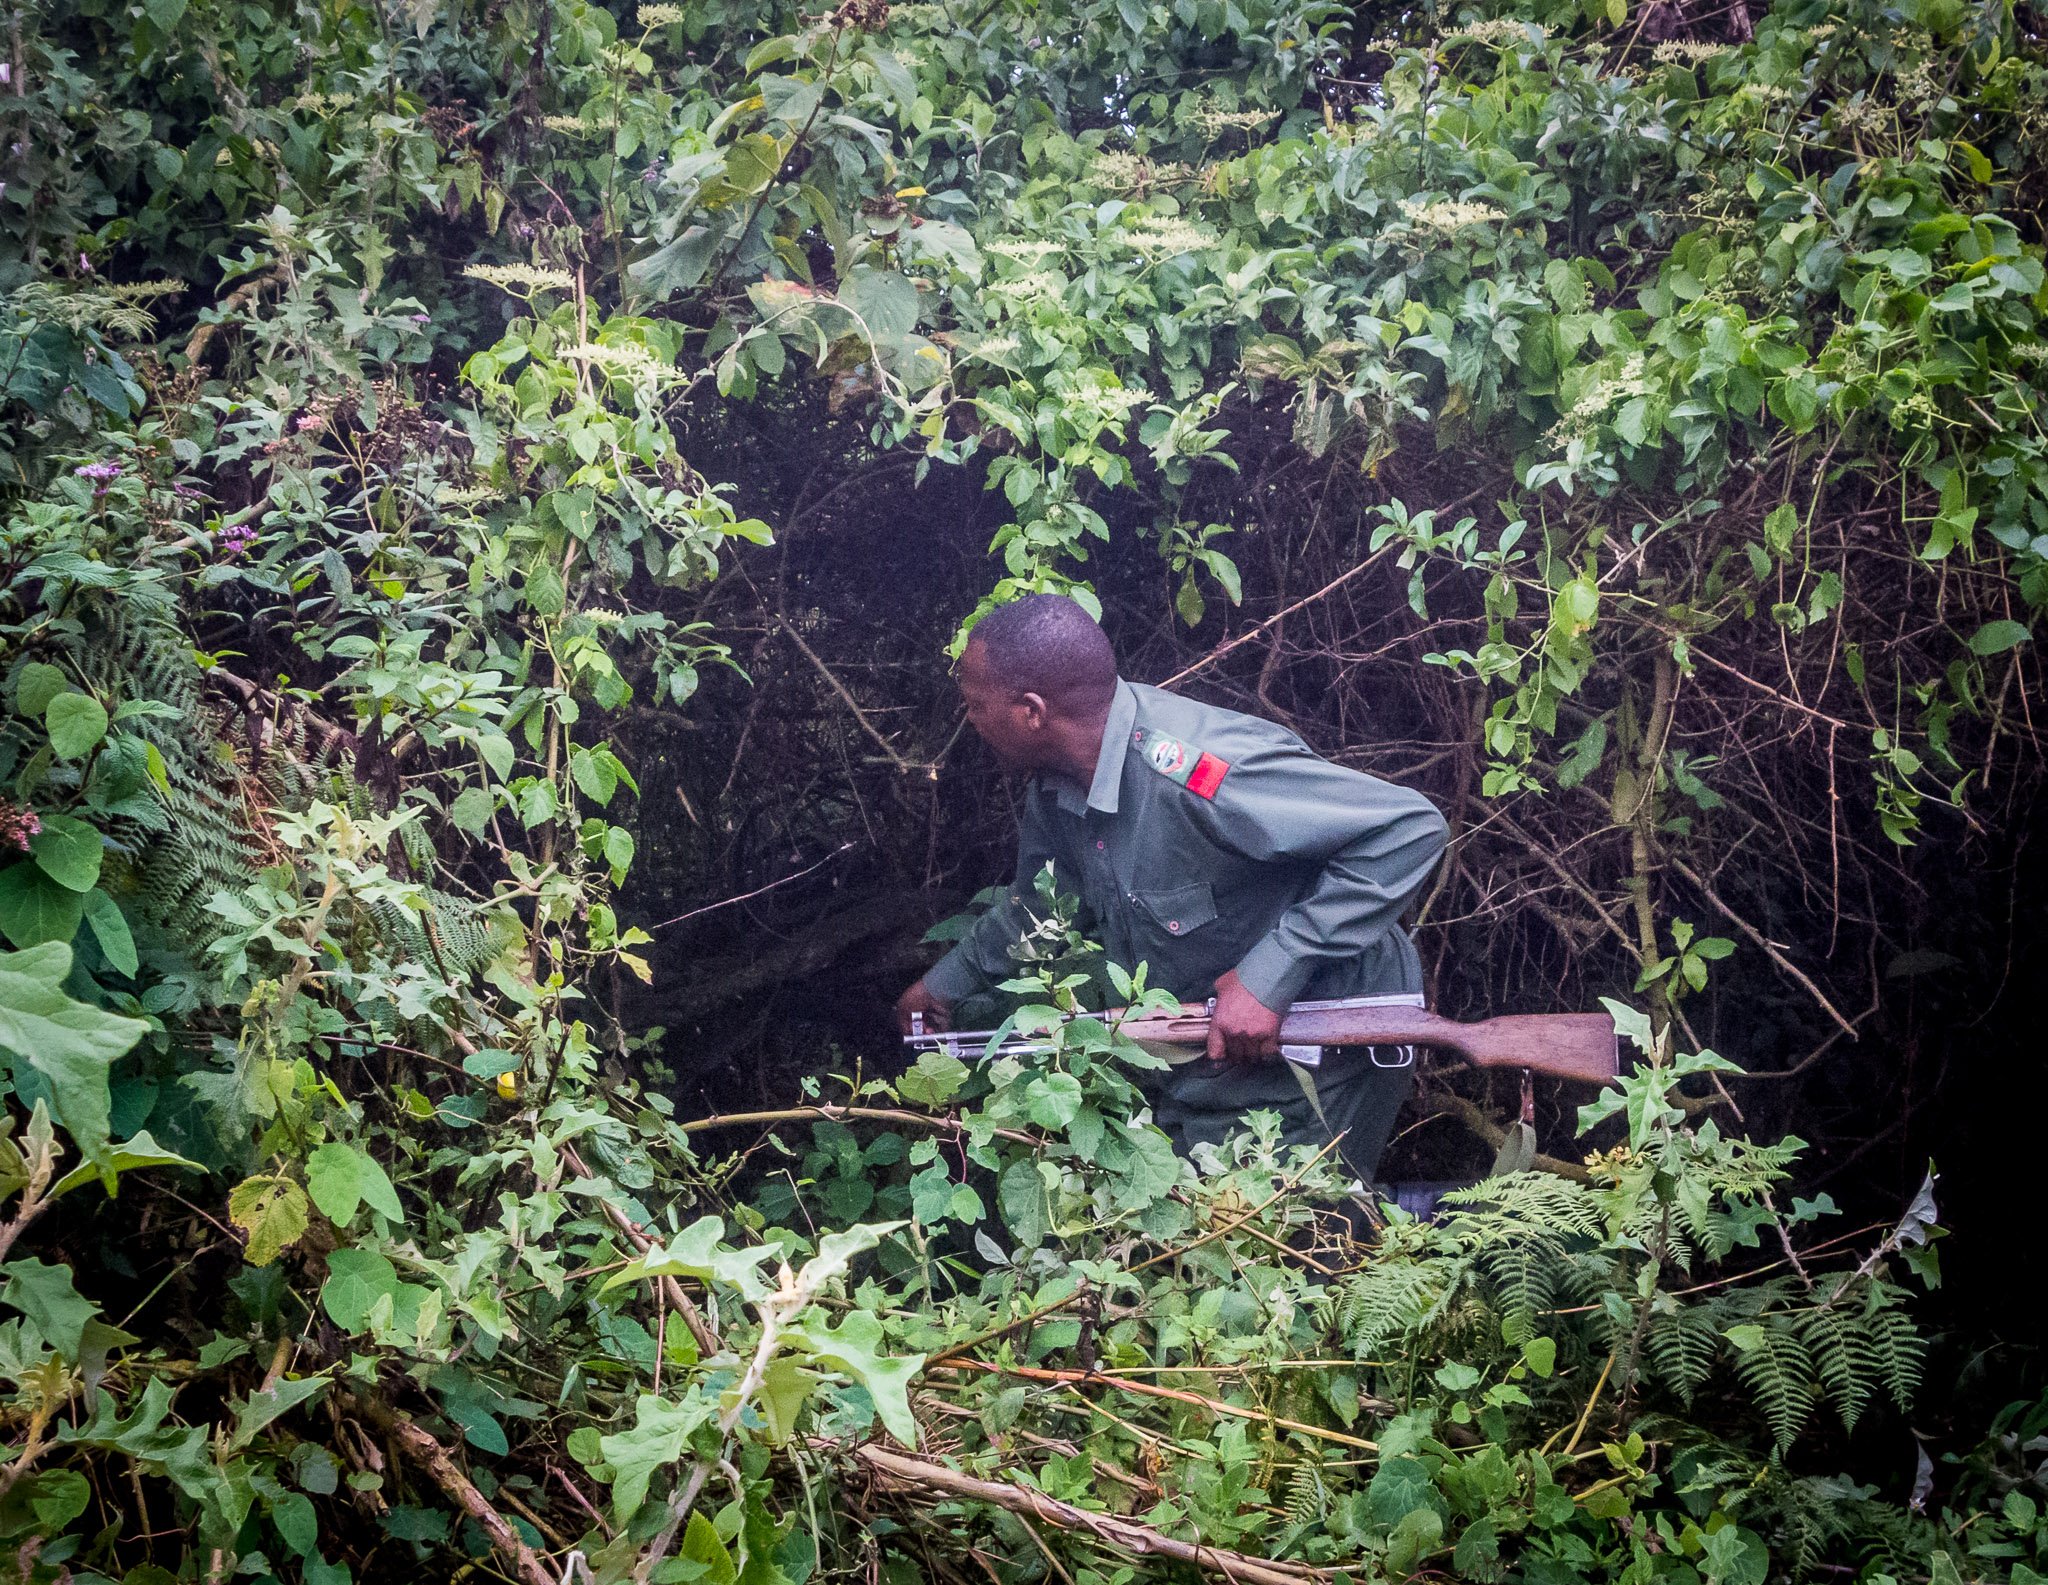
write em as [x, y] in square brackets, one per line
[1567, 1045]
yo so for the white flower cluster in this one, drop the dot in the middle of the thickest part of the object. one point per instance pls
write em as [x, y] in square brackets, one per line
[1688, 52]
[514, 277]
[1212, 119]
[572, 124]
[1032, 284]
[661, 16]
[996, 347]
[467, 495]
[1814, 35]
[323, 104]
[1447, 215]
[1125, 172]
[1025, 250]
[1165, 237]
[629, 362]
[1771, 96]
[1600, 397]
[602, 616]
[1499, 32]
[1862, 114]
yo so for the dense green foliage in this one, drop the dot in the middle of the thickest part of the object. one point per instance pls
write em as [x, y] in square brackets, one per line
[350, 361]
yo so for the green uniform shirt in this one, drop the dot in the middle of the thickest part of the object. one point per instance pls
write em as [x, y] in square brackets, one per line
[1211, 840]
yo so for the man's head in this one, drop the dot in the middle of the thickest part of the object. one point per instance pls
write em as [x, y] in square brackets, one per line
[1038, 676]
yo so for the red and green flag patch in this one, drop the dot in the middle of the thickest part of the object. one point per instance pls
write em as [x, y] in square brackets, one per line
[1198, 771]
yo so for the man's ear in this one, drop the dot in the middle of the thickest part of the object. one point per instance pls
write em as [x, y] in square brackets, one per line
[1037, 713]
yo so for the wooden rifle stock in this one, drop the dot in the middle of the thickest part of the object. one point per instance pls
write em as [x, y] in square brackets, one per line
[1565, 1045]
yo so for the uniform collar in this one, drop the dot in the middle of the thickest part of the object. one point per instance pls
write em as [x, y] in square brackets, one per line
[1109, 763]
[1116, 737]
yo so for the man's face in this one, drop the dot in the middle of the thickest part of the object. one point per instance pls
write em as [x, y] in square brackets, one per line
[1012, 724]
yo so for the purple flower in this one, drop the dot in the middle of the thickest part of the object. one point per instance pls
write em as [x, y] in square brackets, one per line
[423, 319]
[99, 470]
[310, 422]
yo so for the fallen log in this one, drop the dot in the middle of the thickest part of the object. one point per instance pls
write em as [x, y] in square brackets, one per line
[1125, 1533]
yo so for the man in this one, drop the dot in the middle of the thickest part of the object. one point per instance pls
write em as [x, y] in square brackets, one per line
[1215, 848]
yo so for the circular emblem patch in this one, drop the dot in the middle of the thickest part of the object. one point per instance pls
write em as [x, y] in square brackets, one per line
[1168, 756]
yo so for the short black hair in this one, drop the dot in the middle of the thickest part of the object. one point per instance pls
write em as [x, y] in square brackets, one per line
[1048, 645]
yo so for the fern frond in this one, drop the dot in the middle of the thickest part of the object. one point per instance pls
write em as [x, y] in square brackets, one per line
[1843, 1358]
[1308, 1499]
[1387, 1299]
[1682, 1345]
[1778, 1368]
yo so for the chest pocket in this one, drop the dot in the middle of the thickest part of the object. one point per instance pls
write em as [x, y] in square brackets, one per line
[1181, 910]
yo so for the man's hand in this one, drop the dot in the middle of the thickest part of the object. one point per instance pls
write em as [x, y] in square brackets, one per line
[1244, 1028]
[938, 1017]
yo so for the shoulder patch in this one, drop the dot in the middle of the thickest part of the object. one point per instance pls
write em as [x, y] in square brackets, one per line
[1201, 773]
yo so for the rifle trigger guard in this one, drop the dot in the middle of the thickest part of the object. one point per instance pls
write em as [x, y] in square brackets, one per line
[1407, 1057]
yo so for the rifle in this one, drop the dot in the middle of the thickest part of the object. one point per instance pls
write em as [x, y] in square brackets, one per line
[1564, 1045]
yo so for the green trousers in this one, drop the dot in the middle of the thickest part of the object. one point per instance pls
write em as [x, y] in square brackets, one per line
[1202, 1102]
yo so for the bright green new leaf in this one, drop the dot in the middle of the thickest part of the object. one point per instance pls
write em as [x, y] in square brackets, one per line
[498, 752]
[594, 779]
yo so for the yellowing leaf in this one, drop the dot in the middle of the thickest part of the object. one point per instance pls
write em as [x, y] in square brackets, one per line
[271, 1209]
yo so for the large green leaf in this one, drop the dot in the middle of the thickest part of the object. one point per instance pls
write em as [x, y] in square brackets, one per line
[45, 1295]
[358, 1279]
[853, 1347]
[656, 1440]
[77, 722]
[35, 685]
[341, 1177]
[141, 1151]
[885, 301]
[71, 1043]
[68, 851]
[257, 1410]
[697, 1251]
[35, 910]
